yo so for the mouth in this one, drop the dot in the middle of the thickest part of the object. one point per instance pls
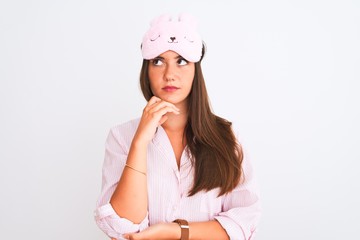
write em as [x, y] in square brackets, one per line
[170, 88]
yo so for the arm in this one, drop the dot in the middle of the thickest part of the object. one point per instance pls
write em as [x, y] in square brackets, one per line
[237, 222]
[115, 213]
[207, 231]
[238, 218]
[210, 230]
[128, 201]
[116, 152]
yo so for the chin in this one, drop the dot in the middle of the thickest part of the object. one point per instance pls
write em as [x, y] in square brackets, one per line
[173, 99]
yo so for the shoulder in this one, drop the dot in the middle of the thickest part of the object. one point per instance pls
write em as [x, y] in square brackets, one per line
[127, 126]
[125, 131]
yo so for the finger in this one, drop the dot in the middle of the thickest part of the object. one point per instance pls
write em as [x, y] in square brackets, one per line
[161, 105]
[163, 119]
[153, 100]
[161, 112]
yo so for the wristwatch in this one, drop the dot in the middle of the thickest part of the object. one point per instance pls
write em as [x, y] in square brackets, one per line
[184, 225]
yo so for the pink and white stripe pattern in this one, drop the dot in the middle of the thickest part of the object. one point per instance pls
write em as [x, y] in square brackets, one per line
[238, 212]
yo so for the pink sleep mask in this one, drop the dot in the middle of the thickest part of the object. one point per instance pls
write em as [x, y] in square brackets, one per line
[179, 35]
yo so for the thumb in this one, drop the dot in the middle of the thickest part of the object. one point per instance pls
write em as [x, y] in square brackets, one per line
[126, 236]
[163, 119]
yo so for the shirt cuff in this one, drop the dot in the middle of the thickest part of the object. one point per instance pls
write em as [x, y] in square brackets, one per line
[233, 230]
[113, 225]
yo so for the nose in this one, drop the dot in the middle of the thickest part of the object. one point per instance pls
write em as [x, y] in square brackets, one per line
[170, 72]
[172, 38]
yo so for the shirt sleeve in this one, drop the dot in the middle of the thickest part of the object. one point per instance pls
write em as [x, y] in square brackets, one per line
[241, 208]
[105, 216]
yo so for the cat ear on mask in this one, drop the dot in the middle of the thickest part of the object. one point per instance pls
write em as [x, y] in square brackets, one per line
[161, 18]
[184, 17]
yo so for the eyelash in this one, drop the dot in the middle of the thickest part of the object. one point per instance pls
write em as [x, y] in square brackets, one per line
[182, 59]
[155, 61]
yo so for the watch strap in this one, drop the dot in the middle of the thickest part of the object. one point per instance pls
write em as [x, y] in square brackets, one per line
[184, 225]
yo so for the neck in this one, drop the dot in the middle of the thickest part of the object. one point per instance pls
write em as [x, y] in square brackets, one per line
[176, 123]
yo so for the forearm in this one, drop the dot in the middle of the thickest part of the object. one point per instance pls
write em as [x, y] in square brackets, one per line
[207, 230]
[211, 230]
[130, 197]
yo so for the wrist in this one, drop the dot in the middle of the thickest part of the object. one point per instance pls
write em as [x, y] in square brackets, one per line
[184, 227]
[172, 231]
[139, 143]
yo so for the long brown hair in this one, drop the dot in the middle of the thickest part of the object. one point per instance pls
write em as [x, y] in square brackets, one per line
[215, 153]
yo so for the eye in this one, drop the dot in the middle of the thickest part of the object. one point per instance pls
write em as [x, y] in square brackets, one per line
[182, 61]
[157, 62]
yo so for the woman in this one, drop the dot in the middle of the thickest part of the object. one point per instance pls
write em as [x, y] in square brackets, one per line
[178, 172]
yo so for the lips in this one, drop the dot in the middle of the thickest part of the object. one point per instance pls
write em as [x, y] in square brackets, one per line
[170, 88]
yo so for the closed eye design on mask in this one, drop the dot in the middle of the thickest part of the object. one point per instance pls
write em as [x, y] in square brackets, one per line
[189, 40]
[153, 39]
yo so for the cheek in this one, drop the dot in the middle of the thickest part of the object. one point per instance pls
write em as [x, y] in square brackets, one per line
[190, 84]
[189, 77]
[154, 84]
[153, 77]
[154, 74]
[151, 74]
[153, 87]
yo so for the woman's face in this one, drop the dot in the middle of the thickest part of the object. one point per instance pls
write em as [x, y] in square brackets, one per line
[171, 77]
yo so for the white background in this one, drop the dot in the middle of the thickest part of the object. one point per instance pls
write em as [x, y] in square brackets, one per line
[285, 72]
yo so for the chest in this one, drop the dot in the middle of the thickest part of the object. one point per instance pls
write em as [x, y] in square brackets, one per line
[178, 144]
[168, 188]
